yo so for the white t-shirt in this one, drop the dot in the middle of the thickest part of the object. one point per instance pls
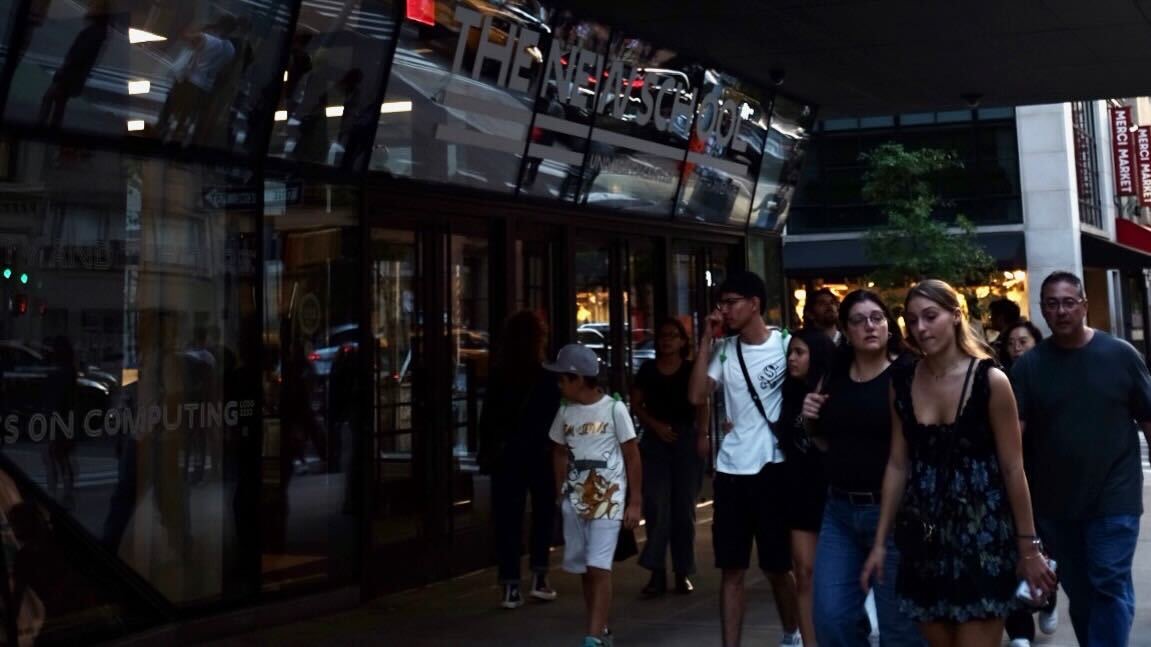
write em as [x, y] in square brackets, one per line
[750, 444]
[596, 482]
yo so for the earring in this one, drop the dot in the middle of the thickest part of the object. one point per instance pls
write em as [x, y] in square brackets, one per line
[890, 335]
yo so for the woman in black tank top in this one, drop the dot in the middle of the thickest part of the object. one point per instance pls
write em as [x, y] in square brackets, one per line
[852, 418]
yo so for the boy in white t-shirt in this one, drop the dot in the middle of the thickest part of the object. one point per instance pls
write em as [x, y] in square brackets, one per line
[596, 459]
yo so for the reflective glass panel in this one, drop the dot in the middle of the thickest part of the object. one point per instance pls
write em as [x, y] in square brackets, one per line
[639, 142]
[568, 96]
[782, 161]
[724, 154]
[312, 430]
[185, 73]
[130, 370]
[469, 343]
[461, 93]
[329, 103]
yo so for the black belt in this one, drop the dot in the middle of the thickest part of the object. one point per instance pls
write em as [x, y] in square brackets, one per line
[855, 497]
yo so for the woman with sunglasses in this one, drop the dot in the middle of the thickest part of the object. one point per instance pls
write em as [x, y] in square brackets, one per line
[851, 417]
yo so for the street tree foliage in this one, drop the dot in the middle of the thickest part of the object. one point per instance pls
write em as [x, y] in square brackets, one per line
[912, 245]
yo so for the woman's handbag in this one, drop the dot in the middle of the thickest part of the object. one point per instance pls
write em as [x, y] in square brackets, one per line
[918, 535]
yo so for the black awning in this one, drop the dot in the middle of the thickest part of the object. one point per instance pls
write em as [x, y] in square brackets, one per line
[821, 258]
[1104, 254]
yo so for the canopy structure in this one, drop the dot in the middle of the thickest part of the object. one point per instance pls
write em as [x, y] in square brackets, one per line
[867, 57]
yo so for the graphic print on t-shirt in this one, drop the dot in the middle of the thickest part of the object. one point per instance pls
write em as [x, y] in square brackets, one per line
[772, 376]
[596, 480]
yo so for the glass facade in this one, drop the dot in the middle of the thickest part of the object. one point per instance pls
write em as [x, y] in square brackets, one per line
[985, 189]
[254, 255]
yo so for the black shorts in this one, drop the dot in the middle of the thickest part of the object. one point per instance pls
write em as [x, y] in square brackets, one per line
[752, 507]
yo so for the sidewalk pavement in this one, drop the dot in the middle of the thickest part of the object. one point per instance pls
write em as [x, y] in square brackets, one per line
[465, 611]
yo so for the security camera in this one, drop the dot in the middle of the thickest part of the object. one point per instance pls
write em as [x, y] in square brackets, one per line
[777, 76]
[972, 99]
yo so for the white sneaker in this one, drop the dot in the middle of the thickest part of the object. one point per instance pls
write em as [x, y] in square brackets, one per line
[1020, 642]
[1049, 622]
[793, 639]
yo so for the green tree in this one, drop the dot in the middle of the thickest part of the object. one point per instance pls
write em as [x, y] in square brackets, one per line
[911, 245]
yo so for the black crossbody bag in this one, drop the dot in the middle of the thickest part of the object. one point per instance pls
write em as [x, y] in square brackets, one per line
[918, 536]
[751, 389]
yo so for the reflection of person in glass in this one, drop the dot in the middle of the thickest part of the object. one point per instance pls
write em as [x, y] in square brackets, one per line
[60, 399]
[73, 72]
[208, 53]
[521, 403]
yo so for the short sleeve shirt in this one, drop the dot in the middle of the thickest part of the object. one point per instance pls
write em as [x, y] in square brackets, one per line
[596, 482]
[751, 443]
[1080, 443]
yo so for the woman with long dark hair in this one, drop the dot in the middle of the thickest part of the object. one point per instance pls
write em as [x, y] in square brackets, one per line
[955, 482]
[809, 355]
[851, 415]
[521, 403]
[1018, 338]
[673, 468]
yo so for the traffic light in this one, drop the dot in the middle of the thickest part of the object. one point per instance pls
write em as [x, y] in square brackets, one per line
[24, 278]
[7, 272]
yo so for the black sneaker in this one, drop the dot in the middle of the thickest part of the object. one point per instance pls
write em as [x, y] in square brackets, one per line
[512, 598]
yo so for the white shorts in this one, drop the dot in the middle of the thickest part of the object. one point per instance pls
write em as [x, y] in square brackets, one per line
[588, 542]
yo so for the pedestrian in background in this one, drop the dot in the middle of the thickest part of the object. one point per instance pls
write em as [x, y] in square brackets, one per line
[521, 403]
[822, 312]
[852, 416]
[672, 461]
[954, 487]
[1017, 339]
[598, 474]
[809, 355]
[750, 486]
[1083, 395]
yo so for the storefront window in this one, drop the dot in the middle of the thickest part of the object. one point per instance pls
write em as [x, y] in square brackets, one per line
[724, 152]
[779, 173]
[460, 95]
[329, 104]
[312, 461]
[130, 375]
[188, 74]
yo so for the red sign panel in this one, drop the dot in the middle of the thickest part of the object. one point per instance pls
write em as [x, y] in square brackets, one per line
[1143, 164]
[1122, 150]
[422, 11]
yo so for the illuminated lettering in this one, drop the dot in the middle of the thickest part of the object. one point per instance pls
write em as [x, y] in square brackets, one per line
[490, 50]
[469, 20]
[11, 431]
[527, 50]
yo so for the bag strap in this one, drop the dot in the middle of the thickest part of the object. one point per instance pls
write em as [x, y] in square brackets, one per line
[750, 386]
[945, 471]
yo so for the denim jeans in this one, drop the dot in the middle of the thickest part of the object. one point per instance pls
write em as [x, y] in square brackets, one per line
[845, 540]
[1094, 566]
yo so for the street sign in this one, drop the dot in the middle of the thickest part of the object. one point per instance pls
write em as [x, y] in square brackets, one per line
[235, 197]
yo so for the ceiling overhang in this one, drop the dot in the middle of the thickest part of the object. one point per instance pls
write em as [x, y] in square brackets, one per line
[870, 57]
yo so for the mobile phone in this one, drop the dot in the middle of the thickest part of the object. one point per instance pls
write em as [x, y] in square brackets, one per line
[1023, 592]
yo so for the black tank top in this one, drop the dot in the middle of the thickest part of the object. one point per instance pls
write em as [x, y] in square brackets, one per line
[856, 421]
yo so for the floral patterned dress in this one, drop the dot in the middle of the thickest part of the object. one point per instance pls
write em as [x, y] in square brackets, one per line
[973, 577]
